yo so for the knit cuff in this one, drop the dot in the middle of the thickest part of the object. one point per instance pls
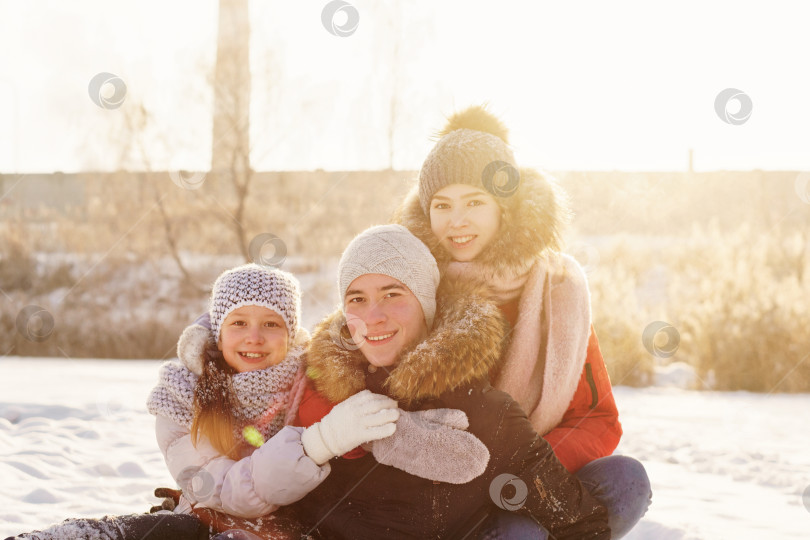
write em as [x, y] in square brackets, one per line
[314, 445]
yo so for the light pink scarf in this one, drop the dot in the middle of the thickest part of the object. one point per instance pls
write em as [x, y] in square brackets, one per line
[549, 343]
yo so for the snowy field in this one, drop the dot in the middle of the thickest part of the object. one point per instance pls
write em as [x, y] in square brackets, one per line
[76, 441]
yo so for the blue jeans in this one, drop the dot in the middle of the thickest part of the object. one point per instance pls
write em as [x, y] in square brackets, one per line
[620, 483]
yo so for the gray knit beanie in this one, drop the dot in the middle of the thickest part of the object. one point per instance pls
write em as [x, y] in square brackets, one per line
[256, 285]
[393, 251]
[473, 148]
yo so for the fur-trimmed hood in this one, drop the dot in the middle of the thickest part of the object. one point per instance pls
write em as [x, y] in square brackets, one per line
[465, 343]
[530, 226]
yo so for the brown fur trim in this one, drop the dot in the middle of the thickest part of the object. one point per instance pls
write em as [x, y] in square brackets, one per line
[530, 228]
[465, 344]
[333, 363]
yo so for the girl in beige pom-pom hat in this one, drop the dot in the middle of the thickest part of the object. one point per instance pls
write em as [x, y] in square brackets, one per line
[486, 219]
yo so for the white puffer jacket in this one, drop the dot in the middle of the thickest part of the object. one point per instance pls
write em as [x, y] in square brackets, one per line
[276, 474]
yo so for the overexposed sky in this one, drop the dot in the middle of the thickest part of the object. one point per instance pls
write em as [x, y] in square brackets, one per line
[627, 85]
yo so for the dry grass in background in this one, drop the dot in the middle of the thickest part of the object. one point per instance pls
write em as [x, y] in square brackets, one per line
[722, 257]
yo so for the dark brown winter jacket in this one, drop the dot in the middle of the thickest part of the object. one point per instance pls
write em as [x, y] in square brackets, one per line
[364, 499]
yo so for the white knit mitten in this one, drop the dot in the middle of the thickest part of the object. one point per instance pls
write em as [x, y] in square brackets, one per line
[432, 444]
[361, 418]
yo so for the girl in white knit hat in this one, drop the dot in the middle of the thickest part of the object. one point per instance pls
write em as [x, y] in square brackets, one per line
[224, 412]
[224, 416]
[487, 220]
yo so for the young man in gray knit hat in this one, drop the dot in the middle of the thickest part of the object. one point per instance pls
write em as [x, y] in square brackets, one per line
[430, 349]
[384, 277]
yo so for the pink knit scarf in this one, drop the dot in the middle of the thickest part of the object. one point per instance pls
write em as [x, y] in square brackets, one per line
[504, 284]
[542, 366]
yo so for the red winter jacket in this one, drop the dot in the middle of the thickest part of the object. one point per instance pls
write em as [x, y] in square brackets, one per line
[590, 428]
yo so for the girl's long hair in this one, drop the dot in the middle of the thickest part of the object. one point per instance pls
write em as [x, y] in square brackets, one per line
[214, 403]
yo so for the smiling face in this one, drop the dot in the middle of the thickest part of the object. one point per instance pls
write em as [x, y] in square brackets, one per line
[384, 317]
[253, 337]
[464, 219]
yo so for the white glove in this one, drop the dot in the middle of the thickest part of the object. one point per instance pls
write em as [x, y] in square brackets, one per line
[361, 418]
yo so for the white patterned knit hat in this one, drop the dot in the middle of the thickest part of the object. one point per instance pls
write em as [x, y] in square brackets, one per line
[393, 251]
[256, 285]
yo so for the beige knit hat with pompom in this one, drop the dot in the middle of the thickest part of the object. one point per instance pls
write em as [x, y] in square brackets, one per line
[472, 150]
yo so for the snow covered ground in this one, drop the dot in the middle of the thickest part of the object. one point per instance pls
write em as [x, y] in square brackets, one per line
[76, 440]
